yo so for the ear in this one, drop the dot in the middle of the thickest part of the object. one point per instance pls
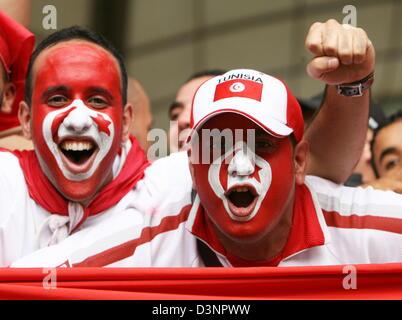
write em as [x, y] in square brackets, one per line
[128, 117]
[191, 166]
[300, 159]
[8, 97]
[24, 115]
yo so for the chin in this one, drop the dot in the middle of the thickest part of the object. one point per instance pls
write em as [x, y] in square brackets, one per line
[239, 231]
[245, 233]
[80, 191]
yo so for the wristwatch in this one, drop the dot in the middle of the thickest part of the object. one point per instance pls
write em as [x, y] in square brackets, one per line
[355, 89]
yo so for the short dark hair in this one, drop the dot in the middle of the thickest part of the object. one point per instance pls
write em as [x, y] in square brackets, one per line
[205, 73]
[71, 33]
[388, 121]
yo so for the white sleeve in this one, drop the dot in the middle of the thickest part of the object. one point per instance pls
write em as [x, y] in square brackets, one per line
[365, 224]
[13, 215]
[356, 200]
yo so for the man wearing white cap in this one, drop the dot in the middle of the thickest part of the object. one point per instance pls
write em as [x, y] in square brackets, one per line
[256, 207]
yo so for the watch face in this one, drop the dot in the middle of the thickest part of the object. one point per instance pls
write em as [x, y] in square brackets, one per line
[350, 91]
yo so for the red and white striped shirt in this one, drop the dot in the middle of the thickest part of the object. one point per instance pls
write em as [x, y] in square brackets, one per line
[332, 224]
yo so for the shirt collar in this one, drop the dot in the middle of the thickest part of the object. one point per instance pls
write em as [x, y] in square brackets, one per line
[308, 229]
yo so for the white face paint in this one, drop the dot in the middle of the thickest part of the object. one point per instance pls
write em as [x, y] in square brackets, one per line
[241, 167]
[78, 124]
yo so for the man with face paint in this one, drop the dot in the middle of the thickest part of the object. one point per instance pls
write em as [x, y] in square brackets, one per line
[254, 204]
[85, 166]
[339, 53]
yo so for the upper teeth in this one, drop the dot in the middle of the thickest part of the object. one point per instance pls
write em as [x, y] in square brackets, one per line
[76, 146]
[241, 189]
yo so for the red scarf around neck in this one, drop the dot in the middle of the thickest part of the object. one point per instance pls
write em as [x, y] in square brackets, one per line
[43, 192]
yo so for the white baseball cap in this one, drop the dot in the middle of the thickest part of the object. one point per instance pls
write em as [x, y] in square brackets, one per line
[262, 98]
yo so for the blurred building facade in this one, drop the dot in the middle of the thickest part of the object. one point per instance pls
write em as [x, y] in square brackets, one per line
[165, 41]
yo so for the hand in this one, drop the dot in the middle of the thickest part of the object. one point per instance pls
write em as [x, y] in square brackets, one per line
[385, 184]
[341, 53]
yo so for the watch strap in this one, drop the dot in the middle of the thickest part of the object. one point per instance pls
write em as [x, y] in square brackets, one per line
[355, 89]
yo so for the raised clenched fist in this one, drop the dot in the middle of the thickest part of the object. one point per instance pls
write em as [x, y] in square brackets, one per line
[341, 53]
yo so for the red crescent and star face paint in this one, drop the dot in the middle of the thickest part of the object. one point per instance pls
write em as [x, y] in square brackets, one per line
[77, 116]
[245, 190]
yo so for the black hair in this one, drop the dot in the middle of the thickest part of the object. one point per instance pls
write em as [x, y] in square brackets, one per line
[75, 32]
[205, 73]
[388, 121]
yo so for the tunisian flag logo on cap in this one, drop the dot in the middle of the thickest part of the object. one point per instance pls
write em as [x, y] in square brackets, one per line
[238, 88]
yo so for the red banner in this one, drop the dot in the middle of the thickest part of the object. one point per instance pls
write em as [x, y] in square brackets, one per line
[381, 281]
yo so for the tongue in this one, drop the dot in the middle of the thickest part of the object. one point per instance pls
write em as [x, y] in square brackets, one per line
[241, 199]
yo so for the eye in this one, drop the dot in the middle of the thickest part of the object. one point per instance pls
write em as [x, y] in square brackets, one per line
[98, 102]
[213, 149]
[57, 100]
[263, 145]
[391, 163]
[174, 114]
[221, 145]
[173, 117]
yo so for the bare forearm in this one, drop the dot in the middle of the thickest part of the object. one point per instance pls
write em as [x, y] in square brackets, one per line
[341, 55]
[337, 135]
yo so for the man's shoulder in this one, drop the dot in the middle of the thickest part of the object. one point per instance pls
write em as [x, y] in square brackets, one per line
[171, 170]
[166, 185]
[9, 162]
[363, 225]
[176, 160]
[355, 201]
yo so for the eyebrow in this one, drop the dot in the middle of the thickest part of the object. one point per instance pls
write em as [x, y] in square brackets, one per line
[101, 90]
[54, 89]
[386, 152]
[263, 133]
[175, 104]
[260, 132]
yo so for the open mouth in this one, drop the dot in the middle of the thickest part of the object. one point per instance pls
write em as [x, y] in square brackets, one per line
[242, 200]
[78, 154]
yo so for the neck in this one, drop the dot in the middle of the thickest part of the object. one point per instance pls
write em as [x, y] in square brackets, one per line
[267, 246]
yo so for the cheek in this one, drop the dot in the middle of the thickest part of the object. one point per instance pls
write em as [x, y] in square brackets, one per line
[38, 117]
[103, 124]
[282, 170]
[207, 195]
[116, 116]
[282, 184]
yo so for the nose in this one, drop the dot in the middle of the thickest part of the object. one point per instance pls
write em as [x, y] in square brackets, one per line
[241, 164]
[78, 120]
